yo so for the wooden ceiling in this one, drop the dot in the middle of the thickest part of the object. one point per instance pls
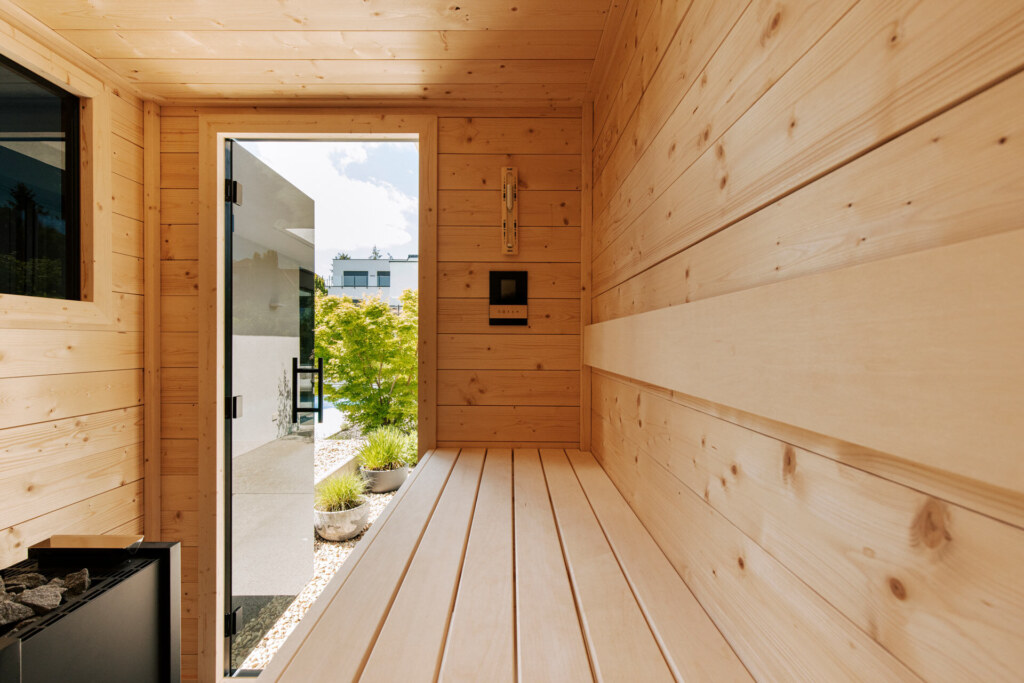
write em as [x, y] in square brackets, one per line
[523, 51]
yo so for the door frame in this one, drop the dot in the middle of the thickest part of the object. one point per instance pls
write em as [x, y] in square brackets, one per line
[215, 126]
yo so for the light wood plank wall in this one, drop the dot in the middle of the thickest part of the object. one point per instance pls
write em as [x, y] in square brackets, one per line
[496, 386]
[179, 355]
[71, 395]
[808, 250]
[506, 386]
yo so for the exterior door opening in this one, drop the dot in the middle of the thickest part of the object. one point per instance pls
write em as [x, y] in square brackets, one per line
[321, 238]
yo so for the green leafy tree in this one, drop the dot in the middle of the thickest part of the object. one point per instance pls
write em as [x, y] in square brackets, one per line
[319, 285]
[376, 253]
[370, 362]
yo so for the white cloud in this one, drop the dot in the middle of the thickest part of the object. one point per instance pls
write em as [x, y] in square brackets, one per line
[352, 214]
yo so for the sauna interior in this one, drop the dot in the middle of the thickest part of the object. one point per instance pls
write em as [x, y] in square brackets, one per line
[764, 419]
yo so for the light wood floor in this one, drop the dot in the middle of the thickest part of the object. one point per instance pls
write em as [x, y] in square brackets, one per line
[501, 566]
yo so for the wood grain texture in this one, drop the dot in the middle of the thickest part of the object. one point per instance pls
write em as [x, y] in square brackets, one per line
[549, 640]
[956, 177]
[483, 171]
[536, 244]
[889, 557]
[481, 635]
[508, 352]
[544, 280]
[791, 136]
[838, 353]
[369, 588]
[508, 387]
[618, 637]
[544, 316]
[153, 393]
[518, 423]
[418, 618]
[508, 136]
[483, 207]
[693, 647]
[775, 623]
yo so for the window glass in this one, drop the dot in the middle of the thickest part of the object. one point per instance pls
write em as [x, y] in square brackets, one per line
[356, 278]
[39, 215]
[383, 278]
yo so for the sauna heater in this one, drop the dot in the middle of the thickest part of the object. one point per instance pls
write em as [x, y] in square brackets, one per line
[125, 626]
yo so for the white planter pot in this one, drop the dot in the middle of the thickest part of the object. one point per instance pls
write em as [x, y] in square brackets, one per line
[341, 526]
[382, 481]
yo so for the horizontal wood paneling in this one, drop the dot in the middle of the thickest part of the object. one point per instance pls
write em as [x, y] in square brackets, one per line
[336, 45]
[544, 280]
[71, 391]
[955, 177]
[522, 424]
[179, 205]
[872, 354]
[508, 368]
[787, 497]
[545, 316]
[27, 400]
[508, 387]
[483, 171]
[817, 204]
[179, 349]
[483, 207]
[98, 514]
[794, 133]
[537, 244]
[351, 72]
[179, 242]
[508, 136]
[178, 313]
[127, 235]
[179, 385]
[179, 278]
[40, 352]
[508, 352]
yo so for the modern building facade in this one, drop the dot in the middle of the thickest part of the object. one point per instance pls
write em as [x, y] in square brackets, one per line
[360, 278]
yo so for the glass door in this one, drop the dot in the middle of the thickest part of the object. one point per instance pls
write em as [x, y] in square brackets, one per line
[272, 389]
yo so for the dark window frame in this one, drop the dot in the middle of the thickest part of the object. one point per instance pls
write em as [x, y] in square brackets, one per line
[71, 181]
[386, 274]
[352, 278]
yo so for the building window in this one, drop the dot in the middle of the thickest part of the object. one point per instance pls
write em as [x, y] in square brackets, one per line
[39, 187]
[383, 278]
[356, 278]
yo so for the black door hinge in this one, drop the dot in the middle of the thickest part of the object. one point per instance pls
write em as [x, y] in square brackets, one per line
[233, 192]
[233, 407]
[232, 620]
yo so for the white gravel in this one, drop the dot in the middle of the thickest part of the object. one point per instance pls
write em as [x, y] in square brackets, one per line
[331, 454]
[328, 558]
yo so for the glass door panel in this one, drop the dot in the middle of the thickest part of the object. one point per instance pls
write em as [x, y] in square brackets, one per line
[270, 437]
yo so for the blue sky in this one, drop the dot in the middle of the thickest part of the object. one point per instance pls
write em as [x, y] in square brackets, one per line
[366, 193]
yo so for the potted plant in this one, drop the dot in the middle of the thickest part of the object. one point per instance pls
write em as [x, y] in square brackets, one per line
[386, 457]
[340, 511]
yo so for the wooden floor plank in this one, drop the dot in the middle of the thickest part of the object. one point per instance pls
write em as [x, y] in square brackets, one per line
[284, 656]
[550, 642]
[620, 642]
[337, 645]
[410, 643]
[481, 636]
[690, 641]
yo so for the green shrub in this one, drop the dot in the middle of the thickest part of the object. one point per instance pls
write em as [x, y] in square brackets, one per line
[343, 492]
[387, 448]
[370, 361]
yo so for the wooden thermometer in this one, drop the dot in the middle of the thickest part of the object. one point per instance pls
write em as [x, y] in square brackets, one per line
[509, 211]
